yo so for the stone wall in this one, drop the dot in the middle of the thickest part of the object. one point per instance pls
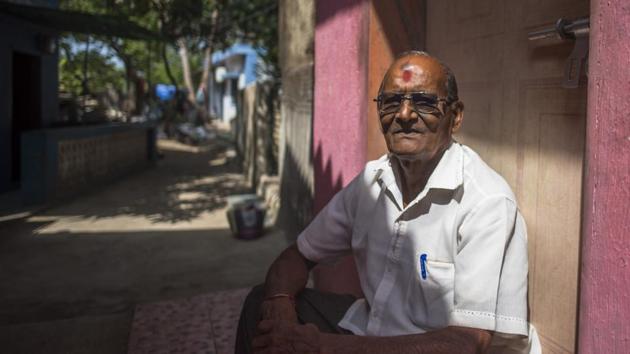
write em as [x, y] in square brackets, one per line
[82, 162]
[60, 163]
[296, 31]
[256, 136]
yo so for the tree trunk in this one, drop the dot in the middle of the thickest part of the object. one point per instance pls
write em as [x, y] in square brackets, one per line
[167, 66]
[183, 55]
[207, 67]
[134, 101]
[203, 83]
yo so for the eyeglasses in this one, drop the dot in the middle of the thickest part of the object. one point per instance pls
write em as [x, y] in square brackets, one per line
[421, 103]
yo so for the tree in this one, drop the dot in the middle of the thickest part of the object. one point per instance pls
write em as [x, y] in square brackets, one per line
[110, 56]
[101, 66]
[192, 30]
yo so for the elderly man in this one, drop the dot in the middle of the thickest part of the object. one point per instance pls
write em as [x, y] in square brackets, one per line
[440, 246]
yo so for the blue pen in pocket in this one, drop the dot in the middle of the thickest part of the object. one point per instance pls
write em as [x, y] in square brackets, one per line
[423, 265]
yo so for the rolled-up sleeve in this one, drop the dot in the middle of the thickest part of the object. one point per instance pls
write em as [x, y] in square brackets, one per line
[329, 235]
[490, 289]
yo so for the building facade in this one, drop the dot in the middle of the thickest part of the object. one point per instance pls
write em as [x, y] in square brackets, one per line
[41, 158]
[28, 88]
[564, 151]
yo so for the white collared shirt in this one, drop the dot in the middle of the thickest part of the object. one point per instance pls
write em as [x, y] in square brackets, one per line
[455, 256]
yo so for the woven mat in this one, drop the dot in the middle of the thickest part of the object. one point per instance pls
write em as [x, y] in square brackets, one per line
[201, 324]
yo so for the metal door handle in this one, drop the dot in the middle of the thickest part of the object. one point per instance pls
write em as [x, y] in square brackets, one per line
[577, 30]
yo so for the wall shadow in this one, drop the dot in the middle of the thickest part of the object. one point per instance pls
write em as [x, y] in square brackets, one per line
[326, 11]
[327, 184]
[60, 275]
[296, 208]
[187, 182]
[403, 23]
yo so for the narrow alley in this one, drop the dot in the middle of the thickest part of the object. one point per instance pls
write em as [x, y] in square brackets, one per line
[72, 276]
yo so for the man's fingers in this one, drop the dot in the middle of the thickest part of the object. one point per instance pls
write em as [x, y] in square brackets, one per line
[261, 350]
[260, 342]
[265, 326]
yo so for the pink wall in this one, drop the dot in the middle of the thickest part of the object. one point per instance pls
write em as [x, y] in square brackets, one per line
[605, 277]
[340, 111]
[339, 126]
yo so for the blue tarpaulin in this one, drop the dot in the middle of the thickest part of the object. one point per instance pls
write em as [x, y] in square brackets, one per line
[165, 92]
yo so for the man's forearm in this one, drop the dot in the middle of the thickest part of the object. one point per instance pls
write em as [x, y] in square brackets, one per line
[288, 274]
[446, 341]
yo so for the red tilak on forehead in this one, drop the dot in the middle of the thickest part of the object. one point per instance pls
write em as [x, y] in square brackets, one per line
[406, 75]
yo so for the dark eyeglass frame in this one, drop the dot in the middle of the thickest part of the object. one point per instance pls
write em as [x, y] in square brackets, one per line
[416, 99]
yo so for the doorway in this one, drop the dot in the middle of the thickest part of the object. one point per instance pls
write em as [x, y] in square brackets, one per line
[26, 106]
[530, 129]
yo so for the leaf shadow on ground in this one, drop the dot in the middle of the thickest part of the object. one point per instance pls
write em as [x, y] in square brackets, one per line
[188, 181]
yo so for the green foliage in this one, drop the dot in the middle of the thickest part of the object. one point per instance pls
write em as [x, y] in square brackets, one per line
[157, 69]
[101, 67]
[202, 23]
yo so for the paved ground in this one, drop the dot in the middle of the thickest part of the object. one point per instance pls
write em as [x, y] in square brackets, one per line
[70, 276]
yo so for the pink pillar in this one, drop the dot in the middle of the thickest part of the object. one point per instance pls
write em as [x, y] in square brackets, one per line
[340, 111]
[340, 102]
[605, 275]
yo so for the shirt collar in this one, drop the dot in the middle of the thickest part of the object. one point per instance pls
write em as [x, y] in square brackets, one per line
[448, 173]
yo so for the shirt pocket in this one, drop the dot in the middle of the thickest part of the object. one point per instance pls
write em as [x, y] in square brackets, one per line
[431, 298]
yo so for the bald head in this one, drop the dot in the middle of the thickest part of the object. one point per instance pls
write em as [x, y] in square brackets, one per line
[420, 66]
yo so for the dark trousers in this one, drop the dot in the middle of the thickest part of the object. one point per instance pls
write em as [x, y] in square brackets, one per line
[322, 309]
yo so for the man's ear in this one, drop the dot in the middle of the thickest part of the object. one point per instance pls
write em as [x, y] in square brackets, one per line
[458, 111]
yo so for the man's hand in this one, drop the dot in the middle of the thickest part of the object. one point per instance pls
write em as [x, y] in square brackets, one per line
[283, 337]
[279, 309]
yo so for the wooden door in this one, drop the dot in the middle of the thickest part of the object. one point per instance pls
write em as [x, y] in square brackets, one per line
[530, 129]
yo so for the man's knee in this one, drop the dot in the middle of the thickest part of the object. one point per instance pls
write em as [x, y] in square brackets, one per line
[254, 298]
[250, 313]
